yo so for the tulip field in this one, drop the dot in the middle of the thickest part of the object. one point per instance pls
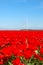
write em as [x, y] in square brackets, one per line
[21, 47]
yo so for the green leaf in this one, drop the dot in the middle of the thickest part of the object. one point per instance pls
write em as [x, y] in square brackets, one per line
[9, 63]
[30, 64]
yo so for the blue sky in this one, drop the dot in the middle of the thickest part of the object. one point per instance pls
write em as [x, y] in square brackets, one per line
[21, 14]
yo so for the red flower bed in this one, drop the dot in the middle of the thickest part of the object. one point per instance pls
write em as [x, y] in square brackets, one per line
[21, 47]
